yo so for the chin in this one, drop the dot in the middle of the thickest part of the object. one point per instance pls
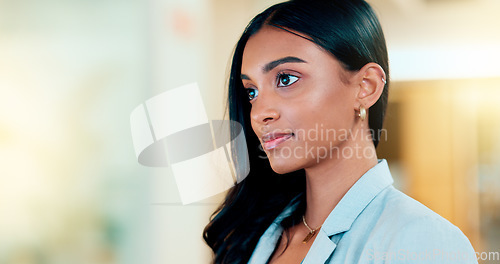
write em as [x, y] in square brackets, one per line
[284, 166]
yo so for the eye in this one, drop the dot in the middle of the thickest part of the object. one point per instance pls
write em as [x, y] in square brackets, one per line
[252, 93]
[285, 79]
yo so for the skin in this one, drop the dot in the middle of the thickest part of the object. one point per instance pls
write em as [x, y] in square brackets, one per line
[317, 94]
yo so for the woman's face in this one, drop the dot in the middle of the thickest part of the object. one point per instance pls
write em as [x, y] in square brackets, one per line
[303, 107]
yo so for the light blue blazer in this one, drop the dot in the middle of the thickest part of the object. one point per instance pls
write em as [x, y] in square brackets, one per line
[375, 223]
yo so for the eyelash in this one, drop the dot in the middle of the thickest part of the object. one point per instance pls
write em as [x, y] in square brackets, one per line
[279, 77]
[282, 74]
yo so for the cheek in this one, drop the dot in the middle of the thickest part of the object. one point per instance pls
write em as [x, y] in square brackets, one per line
[326, 110]
[319, 127]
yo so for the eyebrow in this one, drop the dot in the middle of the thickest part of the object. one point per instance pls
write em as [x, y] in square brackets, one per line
[273, 64]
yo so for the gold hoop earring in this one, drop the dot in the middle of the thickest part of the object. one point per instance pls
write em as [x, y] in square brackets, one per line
[362, 113]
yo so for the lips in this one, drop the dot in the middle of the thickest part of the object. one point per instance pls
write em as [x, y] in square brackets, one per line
[272, 140]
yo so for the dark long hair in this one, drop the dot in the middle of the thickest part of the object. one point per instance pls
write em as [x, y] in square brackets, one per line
[351, 32]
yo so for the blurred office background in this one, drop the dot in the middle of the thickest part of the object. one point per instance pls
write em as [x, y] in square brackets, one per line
[71, 190]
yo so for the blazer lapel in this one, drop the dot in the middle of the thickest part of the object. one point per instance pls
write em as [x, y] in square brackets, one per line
[321, 249]
[266, 245]
[347, 210]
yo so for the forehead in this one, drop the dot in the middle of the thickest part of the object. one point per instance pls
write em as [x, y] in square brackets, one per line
[271, 43]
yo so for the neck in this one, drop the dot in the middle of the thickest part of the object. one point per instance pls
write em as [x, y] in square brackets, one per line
[330, 179]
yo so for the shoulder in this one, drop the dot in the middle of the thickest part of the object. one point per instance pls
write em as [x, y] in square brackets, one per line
[408, 230]
[398, 209]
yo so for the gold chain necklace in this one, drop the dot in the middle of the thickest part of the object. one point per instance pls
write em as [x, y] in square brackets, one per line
[312, 232]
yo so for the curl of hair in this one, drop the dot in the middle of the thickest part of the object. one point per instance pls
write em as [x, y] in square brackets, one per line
[351, 32]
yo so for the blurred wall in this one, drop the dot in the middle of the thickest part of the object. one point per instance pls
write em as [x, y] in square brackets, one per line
[70, 187]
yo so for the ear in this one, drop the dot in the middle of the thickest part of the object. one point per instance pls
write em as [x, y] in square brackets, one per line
[371, 80]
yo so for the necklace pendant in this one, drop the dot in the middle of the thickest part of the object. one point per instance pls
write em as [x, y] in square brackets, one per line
[308, 237]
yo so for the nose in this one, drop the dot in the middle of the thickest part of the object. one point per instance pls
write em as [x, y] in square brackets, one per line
[264, 111]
